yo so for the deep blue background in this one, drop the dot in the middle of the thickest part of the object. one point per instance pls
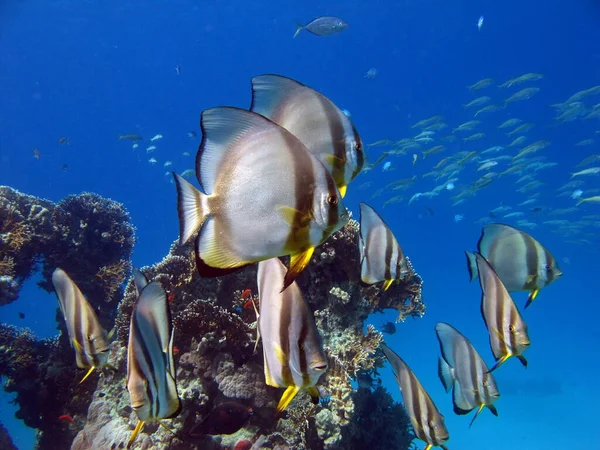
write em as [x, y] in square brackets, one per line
[92, 70]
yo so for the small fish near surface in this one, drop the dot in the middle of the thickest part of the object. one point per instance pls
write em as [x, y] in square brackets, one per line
[87, 337]
[226, 418]
[323, 26]
[292, 350]
[462, 370]
[310, 116]
[521, 262]
[381, 257]
[507, 329]
[427, 421]
[150, 366]
[250, 167]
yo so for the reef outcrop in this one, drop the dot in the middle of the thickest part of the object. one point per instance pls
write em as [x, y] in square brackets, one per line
[215, 334]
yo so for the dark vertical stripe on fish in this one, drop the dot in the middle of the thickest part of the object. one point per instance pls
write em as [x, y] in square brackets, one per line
[531, 257]
[473, 374]
[389, 248]
[512, 336]
[285, 318]
[338, 140]
[549, 264]
[77, 318]
[151, 381]
[358, 149]
[332, 214]
[302, 356]
[500, 310]
[304, 190]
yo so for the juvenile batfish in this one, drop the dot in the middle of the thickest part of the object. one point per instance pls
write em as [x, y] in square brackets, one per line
[86, 335]
[521, 262]
[323, 26]
[506, 328]
[150, 367]
[292, 350]
[427, 421]
[320, 125]
[381, 257]
[250, 167]
[463, 371]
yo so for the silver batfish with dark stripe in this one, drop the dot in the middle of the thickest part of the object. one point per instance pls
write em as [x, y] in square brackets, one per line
[265, 195]
[293, 354]
[86, 335]
[463, 371]
[507, 329]
[150, 367]
[320, 125]
[427, 421]
[521, 262]
[381, 257]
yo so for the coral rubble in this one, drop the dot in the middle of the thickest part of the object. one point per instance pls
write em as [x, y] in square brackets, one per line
[215, 334]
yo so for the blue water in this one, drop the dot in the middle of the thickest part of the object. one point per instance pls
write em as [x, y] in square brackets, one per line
[92, 70]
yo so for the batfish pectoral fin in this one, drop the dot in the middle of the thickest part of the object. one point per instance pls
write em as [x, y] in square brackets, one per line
[111, 335]
[286, 399]
[387, 284]
[89, 372]
[477, 413]
[137, 430]
[532, 295]
[314, 394]
[298, 263]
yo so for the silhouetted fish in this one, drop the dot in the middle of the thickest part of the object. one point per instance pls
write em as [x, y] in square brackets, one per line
[227, 418]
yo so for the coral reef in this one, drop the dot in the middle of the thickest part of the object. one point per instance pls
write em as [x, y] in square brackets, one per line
[378, 423]
[215, 334]
[89, 237]
[6, 442]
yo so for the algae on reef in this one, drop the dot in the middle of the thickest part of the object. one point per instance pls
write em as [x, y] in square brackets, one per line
[215, 333]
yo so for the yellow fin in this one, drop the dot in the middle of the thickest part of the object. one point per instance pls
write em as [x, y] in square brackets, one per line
[137, 430]
[289, 215]
[500, 362]
[532, 295]
[298, 263]
[428, 447]
[387, 284]
[89, 372]
[286, 398]
[342, 190]
[333, 160]
[477, 413]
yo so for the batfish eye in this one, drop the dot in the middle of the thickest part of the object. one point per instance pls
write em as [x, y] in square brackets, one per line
[548, 267]
[511, 328]
[332, 200]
